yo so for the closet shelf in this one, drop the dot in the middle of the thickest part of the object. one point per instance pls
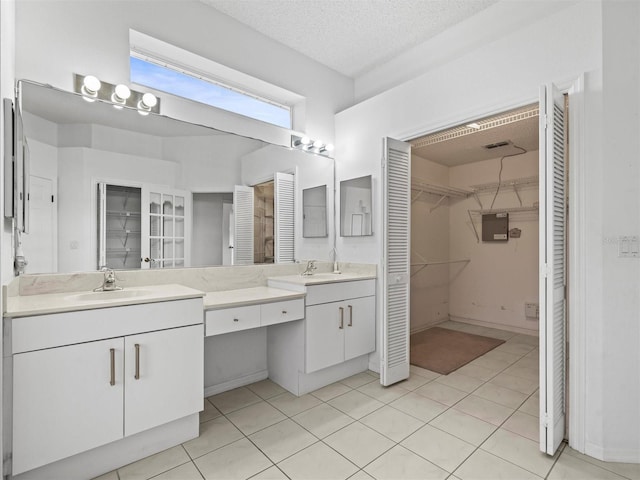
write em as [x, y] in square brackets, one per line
[425, 264]
[421, 186]
[515, 183]
[483, 211]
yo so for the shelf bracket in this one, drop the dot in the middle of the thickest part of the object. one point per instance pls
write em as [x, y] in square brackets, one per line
[417, 196]
[438, 203]
[473, 225]
[475, 195]
[515, 189]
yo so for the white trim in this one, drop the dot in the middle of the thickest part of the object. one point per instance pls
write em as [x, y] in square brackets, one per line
[497, 326]
[576, 256]
[236, 382]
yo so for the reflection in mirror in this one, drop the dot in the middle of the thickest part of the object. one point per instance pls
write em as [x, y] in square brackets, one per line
[314, 212]
[355, 207]
[167, 185]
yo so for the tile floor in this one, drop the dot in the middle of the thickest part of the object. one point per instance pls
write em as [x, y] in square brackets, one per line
[480, 422]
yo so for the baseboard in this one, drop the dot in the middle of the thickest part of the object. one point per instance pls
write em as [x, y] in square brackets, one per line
[235, 383]
[422, 328]
[622, 456]
[497, 326]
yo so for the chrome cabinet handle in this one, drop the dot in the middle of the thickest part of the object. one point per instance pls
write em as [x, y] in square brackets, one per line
[341, 317]
[137, 375]
[112, 355]
[350, 316]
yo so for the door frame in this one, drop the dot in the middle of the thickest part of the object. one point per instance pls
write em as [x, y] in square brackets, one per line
[576, 241]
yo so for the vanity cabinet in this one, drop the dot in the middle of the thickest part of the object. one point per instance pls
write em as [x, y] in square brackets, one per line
[338, 331]
[71, 397]
[227, 320]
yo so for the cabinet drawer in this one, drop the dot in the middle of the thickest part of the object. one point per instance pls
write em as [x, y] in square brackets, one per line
[331, 292]
[280, 312]
[232, 319]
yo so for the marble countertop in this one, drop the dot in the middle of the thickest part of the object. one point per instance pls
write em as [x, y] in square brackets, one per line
[25, 305]
[248, 296]
[319, 278]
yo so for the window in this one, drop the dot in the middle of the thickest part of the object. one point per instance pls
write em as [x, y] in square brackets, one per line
[177, 81]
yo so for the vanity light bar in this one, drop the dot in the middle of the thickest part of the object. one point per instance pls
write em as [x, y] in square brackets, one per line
[313, 146]
[92, 89]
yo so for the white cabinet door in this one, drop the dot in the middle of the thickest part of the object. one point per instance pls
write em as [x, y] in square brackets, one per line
[359, 330]
[324, 335]
[164, 377]
[64, 401]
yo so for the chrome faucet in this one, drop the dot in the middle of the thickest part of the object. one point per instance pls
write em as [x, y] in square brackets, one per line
[108, 282]
[311, 266]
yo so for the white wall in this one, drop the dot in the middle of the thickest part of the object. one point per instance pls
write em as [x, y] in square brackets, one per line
[493, 287]
[429, 241]
[93, 38]
[311, 171]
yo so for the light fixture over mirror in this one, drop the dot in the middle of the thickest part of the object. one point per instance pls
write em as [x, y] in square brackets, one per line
[120, 96]
[312, 146]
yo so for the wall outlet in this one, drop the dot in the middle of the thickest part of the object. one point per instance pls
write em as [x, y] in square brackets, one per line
[531, 310]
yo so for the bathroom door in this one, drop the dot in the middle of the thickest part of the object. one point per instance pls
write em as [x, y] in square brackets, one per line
[284, 199]
[552, 268]
[242, 225]
[396, 177]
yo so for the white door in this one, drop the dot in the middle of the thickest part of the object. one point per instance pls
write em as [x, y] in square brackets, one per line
[325, 324]
[165, 366]
[242, 225]
[65, 402]
[552, 268]
[396, 177]
[166, 227]
[359, 327]
[41, 241]
[284, 199]
[227, 234]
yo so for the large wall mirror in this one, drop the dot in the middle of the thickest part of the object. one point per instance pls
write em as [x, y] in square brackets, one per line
[110, 187]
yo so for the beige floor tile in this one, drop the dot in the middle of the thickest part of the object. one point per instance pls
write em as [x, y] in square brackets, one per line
[323, 420]
[188, 471]
[214, 434]
[359, 443]
[506, 357]
[520, 451]
[358, 380]
[361, 475]
[484, 466]
[266, 389]
[282, 440]
[628, 470]
[501, 395]
[484, 409]
[532, 405]
[317, 462]
[476, 371]
[518, 384]
[392, 423]
[209, 413]
[535, 353]
[291, 405]
[491, 363]
[375, 375]
[515, 348]
[528, 339]
[381, 393]
[423, 372]
[460, 381]
[528, 362]
[440, 448]
[569, 467]
[330, 391]
[441, 393]
[255, 417]
[271, 473]
[466, 427]
[523, 424]
[155, 464]
[523, 372]
[234, 399]
[413, 382]
[420, 407]
[400, 463]
[107, 476]
[356, 404]
[238, 460]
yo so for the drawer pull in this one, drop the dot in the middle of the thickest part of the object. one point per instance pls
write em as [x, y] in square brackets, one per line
[236, 320]
[341, 317]
[112, 355]
[350, 316]
[137, 375]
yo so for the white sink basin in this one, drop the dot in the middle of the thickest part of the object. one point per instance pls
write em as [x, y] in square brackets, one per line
[108, 295]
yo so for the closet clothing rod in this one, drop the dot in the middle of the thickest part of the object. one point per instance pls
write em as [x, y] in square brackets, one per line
[440, 262]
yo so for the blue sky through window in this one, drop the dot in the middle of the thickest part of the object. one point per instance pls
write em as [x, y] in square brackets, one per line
[167, 80]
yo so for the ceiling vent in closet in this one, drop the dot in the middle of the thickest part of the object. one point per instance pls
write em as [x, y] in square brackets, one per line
[491, 146]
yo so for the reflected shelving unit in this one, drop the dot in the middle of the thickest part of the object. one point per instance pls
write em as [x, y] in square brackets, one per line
[119, 226]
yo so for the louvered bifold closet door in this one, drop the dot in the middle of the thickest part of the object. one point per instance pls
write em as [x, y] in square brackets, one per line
[284, 200]
[396, 248]
[552, 268]
[243, 225]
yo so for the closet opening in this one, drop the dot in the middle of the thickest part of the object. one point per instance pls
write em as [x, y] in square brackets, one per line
[475, 271]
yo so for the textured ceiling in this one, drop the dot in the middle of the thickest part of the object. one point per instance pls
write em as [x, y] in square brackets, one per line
[350, 36]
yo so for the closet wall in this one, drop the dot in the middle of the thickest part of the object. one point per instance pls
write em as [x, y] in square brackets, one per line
[492, 288]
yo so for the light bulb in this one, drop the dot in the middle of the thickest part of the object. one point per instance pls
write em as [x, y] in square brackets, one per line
[318, 144]
[91, 85]
[121, 93]
[149, 100]
[329, 147]
[305, 140]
